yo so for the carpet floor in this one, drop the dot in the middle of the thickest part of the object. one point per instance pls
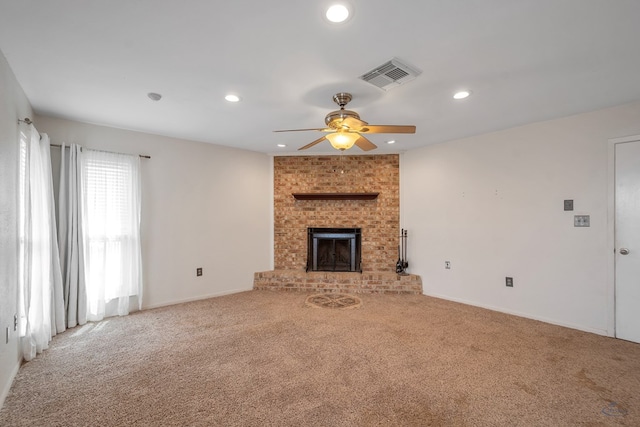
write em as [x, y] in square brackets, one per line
[262, 358]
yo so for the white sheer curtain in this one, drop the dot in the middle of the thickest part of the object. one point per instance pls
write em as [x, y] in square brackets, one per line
[40, 281]
[111, 222]
[70, 235]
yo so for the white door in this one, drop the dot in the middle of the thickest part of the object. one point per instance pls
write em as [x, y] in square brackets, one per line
[627, 240]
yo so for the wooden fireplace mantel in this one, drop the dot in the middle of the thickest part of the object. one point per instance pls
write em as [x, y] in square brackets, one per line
[335, 196]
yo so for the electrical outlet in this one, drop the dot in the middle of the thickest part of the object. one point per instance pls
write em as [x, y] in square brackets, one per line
[15, 322]
[447, 265]
[509, 282]
[199, 271]
[581, 221]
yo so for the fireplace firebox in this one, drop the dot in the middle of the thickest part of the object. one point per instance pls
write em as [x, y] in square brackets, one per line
[333, 249]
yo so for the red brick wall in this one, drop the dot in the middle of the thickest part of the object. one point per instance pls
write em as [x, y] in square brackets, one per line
[379, 219]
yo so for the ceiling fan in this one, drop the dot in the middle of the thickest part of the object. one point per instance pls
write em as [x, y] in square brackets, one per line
[346, 129]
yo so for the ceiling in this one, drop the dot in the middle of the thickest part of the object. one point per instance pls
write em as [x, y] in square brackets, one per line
[524, 61]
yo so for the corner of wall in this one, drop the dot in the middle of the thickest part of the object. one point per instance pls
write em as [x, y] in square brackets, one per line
[271, 216]
[14, 106]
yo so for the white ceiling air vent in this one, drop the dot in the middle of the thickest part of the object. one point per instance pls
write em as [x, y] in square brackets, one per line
[391, 74]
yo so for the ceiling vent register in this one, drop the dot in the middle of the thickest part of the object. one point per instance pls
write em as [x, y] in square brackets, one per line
[391, 74]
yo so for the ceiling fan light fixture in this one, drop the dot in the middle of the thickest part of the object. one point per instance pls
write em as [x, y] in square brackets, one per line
[342, 140]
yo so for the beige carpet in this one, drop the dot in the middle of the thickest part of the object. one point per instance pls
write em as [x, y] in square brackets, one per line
[263, 358]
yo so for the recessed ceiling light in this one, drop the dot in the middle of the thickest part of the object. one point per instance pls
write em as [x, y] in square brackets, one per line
[391, 142]
[337, 13]
[462, 94]
[154, 96]
[282, 145]
[232, 98]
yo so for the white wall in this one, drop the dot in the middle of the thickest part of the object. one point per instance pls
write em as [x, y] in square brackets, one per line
[493, 206]
[203, 206]
[13, 105]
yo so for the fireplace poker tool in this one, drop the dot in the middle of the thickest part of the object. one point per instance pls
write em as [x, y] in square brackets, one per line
[402, 264]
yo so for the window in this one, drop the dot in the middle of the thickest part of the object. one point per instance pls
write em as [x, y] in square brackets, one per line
[111, 219]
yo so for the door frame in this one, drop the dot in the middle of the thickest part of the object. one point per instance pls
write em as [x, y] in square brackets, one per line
[611, 229]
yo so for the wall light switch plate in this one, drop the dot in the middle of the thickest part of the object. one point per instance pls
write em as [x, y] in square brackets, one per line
[568, 205]
[447, 265]
[581, 221]
[509, 282]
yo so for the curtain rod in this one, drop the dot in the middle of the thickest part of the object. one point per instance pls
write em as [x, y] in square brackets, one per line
[28, 121]
[142, 156]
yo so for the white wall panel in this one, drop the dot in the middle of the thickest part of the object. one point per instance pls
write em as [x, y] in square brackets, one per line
[202, 206]
[492, 205]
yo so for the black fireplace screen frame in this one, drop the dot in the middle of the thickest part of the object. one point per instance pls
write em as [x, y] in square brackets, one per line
[334, 240]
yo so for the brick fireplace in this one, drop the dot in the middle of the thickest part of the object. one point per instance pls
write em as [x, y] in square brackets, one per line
[331, 192]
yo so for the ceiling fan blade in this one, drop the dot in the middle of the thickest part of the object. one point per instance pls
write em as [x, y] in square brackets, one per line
[311, 144]
[303, 130]
[364, 144]
[353, 124]
[388, 129]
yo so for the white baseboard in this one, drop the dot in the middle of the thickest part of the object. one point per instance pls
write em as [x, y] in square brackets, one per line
[6, 387]
[525, 315]
[198, 298]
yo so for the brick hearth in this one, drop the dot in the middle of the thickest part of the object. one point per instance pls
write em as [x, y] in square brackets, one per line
[381, 283]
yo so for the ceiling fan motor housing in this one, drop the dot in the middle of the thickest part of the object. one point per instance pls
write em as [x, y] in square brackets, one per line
[335, 118]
